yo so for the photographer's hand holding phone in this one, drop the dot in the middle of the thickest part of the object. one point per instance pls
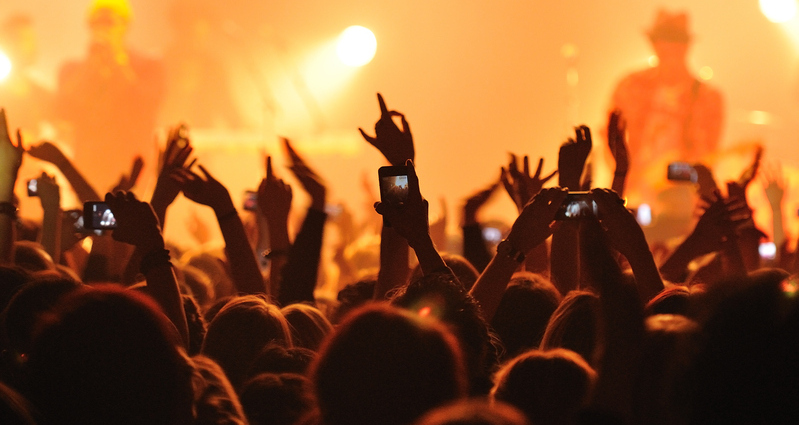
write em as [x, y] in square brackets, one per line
[534, 224]
[396, 145]
[135, 222]
[402, 204]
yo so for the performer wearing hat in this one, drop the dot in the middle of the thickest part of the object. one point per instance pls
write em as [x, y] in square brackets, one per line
[670, 114]
[109, 100]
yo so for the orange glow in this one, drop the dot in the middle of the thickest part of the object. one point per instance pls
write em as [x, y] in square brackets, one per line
[425, 311]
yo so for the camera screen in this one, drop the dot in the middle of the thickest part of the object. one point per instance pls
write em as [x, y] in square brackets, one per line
[102, 217]
[394, 188]
[576, 206]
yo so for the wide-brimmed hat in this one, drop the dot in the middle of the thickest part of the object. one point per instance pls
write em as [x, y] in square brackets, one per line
[670, 27]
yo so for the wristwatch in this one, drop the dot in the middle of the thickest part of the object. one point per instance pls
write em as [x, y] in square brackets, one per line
[506, 249]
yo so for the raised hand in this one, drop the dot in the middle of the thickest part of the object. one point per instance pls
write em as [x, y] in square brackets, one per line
[519, 184]
[750, 172]
[274, 197]
[774, 185]
[47, 152]
[617, 142]
[534, 224]
[128, 181]
[310, 181]
[10, 154]
[572, 157]
[174, 157]
[48, 191]
[396, 145]
[204, 190]
[137, 223]
[409, 219]
[476, 201]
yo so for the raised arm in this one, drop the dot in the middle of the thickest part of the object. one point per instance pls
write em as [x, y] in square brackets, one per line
[397, 147]
[49, 152]
[627, 237]
[137, 225]
[174, 157]
[410, 220]
[10, 161]
[572, 157]
[50, 196]
[617, 141]
[474, 247]
[302, 268]
[531, 228]
[206, 190]
[274, 202]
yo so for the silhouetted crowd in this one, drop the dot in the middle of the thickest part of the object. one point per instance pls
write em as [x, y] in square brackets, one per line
[572, 318]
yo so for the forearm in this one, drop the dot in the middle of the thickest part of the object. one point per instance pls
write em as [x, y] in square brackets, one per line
[243, 267]
[394, 268]
[279, 247]
[162, 285]
[619, 180]
[301, 270]
[429, 259]
[490, 286]
[8, 218]
[675, 268]
[474, 247]
[79, 184]
[779, 231]
[647, 278]
[51, 230]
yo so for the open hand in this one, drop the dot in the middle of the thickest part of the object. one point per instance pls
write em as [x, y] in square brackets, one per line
[128, 181]
[534, 224]
[204, 190]
[48, 152]
[519, 184]
[10, 154]
[396, 145]
[174, 157]
[617, 142]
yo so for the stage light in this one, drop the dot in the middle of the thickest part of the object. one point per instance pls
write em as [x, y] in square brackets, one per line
[5, 66]
[653, 61]
[778, 11]
[356, 46]
[706, 73]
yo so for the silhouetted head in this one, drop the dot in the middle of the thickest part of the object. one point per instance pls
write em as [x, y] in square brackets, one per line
[474, 412]
[277, 399]
[574, 325]
[550, 387]
[441, 296]
[386, 366]
[238, 333]
[32, 257]
[670, 38]
[277, 359]
[353, 296]
[524, 311]
[215, 400]
[308, 325]
[463, 269]
[109, 355]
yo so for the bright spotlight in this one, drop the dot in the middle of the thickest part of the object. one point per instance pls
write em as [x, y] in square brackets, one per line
[778, 11]
[5, 66]
[356, 46]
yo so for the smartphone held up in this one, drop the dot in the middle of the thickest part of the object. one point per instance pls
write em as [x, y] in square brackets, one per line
[393, 184]
[97, 216]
